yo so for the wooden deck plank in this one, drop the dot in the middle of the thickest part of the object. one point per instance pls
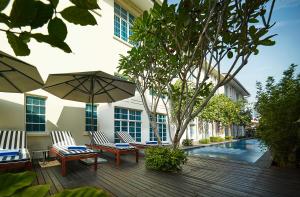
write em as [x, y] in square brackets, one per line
[200, 177]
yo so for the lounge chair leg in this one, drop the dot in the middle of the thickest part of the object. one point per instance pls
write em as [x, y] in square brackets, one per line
[118, 158]
[95, 165]
[63, 167]
[28, 166]
[137, 155]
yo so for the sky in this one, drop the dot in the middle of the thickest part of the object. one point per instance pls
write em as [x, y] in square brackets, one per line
[272, 61]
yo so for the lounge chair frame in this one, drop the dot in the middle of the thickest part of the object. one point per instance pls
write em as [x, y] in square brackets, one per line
[116, 151]
[13, 165]
[72, 157]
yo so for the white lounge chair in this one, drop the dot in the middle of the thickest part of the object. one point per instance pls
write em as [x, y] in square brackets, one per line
[65, 148]
[13, 150]
[101, 142]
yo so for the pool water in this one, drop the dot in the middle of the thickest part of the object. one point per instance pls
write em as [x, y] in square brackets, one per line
[243, 150]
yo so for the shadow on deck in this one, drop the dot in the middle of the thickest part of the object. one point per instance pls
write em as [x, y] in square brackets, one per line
[200, 177]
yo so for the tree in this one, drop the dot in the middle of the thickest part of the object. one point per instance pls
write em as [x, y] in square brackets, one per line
[221, 110]
[26, 17]
[278, 105]
[189, 42]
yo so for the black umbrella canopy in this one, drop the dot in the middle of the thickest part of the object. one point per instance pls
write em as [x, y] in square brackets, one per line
[17, 76]
[89, 87]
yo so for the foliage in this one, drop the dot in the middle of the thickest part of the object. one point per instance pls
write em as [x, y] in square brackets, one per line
[26, 17]
[82, 191]
[221, 109]
[204, 141]
[19, 184]
[278, 105]
[217, 139]
[229, 138]
[165, 159]
[188, 42]
[187, 142]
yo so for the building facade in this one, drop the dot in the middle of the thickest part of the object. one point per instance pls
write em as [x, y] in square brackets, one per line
[199, 129]
[94, 48]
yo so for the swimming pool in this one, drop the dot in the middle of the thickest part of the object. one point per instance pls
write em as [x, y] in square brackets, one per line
[249, 150]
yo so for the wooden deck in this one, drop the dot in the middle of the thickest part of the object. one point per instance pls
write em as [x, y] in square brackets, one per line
[200, 177]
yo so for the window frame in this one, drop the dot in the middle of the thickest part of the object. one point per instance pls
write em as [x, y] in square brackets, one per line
[152, 138]
[45, 114]
[121, 120]
[85, 117]
[129, 23]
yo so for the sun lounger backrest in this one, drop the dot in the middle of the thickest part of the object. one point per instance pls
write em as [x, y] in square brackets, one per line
[99, 137]
[62, 138]
[125, 137]
[12, 139]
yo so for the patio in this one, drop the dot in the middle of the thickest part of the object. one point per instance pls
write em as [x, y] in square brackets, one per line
[200, 177]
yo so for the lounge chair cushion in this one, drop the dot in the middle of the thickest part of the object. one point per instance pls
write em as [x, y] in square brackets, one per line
[77, 147]
[22, 156]
[65, 151]
[62, 140]
[125, 137]
[101, 140]
[9, 152]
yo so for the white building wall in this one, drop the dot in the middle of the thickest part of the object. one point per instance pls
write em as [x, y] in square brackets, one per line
[94, 48]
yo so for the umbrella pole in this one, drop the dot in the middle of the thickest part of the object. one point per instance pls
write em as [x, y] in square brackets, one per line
[92, 121]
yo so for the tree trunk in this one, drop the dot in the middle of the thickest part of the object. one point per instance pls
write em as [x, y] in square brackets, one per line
[176, 139]
[155, 130]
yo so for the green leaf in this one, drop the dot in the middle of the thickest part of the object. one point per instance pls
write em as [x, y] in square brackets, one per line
[58, 29]
[229, 54]
[25, 36]
[253, 20]
[54, 3]
[11, 182]
[43, 15]
[18, 45]
[267, 42]
[86, 4]
[4, 19]
[52, 41]
[3, 4]
[79, 16]
[82, 192]
[37, 190]
[22, 12]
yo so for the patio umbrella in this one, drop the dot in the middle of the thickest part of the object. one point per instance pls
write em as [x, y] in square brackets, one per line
[89, 87]
[17, 76]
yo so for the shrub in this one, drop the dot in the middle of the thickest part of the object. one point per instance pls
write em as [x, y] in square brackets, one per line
[187, 142]
[228, 138]
[20, 184]
[278, 105]
[204, 141]
[165, 159]
[217, 139]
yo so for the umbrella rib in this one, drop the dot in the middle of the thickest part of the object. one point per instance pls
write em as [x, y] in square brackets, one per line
[107, 84]
[13, 69]
[63, 82]
[98, 93]
[105, 91]
[74, 88]
[10, 82]
[119, 88]
[82, 84]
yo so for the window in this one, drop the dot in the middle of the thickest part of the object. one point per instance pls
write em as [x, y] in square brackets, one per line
[88, 117]
[35, 114]
[128, 120]
[123, 22]
[162, 128]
